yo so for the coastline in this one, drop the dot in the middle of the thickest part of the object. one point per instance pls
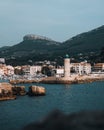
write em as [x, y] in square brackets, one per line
[70, 80]
[62, 80]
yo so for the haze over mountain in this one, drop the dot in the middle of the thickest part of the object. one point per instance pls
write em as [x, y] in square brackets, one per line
[35, 48]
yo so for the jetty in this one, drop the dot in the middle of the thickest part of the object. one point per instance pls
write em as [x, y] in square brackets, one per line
[23, 81]
[72, 79]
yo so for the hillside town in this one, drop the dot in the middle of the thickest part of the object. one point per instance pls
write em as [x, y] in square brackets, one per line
[47, 69]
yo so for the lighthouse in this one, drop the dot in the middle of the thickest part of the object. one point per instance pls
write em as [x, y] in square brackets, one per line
[67, 66]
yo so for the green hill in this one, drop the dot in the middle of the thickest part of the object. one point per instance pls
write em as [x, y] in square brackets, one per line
[4, 48]
[32, 47]
[85, 46]
[91, 41]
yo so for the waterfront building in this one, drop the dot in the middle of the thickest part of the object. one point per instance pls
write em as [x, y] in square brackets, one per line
[59, 72]
[26, 69]
[31, 70]
[10, 70]
[67, 66]
[81, 68]
[98, 67]
[35, 69]
[18, 70]
[6, 70]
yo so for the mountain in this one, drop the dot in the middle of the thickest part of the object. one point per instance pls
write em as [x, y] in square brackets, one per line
[85, 46]
[91, 41]
[4, 48]
[35, 37]
[32, 47]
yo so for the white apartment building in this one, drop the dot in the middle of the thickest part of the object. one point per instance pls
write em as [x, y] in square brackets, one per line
[59, 72]
[35, 69]
[81, 68]
[31, 70]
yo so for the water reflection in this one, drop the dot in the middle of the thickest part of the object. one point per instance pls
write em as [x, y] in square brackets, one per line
[68, 98]
[67, 86]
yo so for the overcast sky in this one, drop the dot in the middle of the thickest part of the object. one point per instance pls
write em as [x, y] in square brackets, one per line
[56, 19]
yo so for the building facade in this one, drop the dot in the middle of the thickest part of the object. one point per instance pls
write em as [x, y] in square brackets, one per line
[81, 68]
[98, 67]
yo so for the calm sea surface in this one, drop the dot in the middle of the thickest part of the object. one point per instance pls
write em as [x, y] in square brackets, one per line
[14, 114]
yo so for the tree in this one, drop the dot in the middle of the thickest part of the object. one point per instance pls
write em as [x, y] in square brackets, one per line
[46, 70]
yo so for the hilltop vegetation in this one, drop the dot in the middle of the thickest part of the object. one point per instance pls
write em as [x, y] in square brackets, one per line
[86, 46]
[86, 42]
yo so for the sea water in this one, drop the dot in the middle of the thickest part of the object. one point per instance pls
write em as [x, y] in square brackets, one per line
[15, 114]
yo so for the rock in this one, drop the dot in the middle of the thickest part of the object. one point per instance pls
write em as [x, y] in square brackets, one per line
[6, 86]
[19, 90]
[6, 91]
[86, 120]
[36, 91]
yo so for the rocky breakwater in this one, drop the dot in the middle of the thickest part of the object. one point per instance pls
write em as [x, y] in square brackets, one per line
[89, 78]
[19, 90]
[6, 92]
[19, 81]
[36, 91]
[74, 79]
[58, 80]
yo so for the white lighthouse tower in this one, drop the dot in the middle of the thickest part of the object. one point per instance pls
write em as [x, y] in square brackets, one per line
[66, 66]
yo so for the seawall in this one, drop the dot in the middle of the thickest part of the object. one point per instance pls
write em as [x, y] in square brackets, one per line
[62, 80]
